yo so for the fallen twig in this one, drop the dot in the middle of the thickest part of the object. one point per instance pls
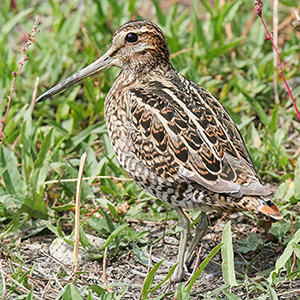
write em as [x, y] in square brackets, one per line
[36, 84]
[104, 271]
[77, 210]
[3, 281]
[18, 284]
[88, 178]
[294, 254]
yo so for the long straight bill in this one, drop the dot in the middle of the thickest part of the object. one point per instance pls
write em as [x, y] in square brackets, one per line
[102, 63]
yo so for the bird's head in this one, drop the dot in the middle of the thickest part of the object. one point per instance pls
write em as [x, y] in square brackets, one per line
[137, 46]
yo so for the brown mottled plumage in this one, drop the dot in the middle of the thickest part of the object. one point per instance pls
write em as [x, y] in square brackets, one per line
[172, 136]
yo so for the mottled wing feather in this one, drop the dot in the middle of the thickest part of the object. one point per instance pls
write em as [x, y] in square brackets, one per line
[184, 132]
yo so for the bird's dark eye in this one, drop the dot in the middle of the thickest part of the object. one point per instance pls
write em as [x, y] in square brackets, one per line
[131, 37]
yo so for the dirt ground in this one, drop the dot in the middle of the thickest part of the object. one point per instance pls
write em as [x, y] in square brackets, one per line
[54, 271]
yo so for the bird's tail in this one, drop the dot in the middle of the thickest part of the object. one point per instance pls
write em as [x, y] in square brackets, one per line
[270, 209]
[262, 204]
[254, 204]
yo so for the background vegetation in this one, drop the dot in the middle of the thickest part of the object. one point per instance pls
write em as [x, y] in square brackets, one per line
[219, 46]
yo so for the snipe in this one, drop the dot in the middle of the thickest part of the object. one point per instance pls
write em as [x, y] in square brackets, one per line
[172, 136]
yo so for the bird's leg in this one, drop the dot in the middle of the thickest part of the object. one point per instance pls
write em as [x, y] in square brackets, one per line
[201, 229]
[184, 224]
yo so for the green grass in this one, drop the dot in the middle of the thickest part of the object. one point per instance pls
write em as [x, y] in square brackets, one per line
[46, 143]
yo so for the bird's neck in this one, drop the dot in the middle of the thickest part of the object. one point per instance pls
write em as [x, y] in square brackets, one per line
[143, 72]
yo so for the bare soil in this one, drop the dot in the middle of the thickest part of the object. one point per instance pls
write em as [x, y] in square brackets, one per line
[51, 273]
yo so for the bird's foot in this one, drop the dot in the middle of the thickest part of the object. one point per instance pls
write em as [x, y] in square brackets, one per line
[155, 259]
[177, 276]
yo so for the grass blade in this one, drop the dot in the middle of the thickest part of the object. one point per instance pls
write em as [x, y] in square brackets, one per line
[71, 292]
[114, 234]
[272, 294]
[297, 179]
[202, 266]
[261, 113]
[166, 278]
[231, 296]
[227, 256]
[281, 261]
[11, 175]
[149, 280]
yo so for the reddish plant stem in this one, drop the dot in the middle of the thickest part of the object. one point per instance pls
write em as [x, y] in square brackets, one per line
[258, 7]
[9, 101]
[31, 38]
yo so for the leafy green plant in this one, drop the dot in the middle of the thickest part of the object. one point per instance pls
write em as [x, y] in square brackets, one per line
[253, 243]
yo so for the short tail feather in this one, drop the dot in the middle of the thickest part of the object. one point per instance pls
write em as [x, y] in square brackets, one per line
[264, 205]
[270, 209]
[253, 204]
